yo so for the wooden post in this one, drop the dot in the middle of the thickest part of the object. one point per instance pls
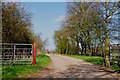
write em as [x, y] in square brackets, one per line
[34, 53]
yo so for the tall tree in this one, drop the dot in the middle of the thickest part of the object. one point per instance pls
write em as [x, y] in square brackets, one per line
[16, 24]
[91, 26]
[107, 11]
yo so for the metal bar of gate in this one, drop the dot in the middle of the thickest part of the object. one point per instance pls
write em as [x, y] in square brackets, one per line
[15, 44]
[12, 48]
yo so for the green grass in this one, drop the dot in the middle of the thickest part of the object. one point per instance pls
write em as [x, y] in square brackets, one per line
[116, 68]
[17, 71]
[94, 60]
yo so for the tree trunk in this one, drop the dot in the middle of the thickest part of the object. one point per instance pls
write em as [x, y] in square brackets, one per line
[85, 49]
[107, 52]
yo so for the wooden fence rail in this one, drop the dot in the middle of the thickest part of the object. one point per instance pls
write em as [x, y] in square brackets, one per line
[115, 54]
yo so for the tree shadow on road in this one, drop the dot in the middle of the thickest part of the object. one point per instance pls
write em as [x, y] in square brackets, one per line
[82, 71]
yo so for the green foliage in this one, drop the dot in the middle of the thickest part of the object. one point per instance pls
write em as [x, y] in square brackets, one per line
[17, 25]
[116, 68]
[80, 30]
[87, 29]
[39, 42]
[17, 71]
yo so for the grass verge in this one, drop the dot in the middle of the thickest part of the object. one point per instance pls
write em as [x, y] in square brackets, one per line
[94, 60]
[17, 71]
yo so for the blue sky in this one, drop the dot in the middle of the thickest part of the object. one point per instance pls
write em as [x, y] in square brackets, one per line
[46, 17]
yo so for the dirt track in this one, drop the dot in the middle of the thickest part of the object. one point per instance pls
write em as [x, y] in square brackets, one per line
[67, 67]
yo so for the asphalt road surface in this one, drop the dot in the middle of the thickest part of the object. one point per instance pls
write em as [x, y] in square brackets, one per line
[67, 67]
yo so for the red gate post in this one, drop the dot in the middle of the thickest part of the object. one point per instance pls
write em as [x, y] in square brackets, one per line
[34, 53]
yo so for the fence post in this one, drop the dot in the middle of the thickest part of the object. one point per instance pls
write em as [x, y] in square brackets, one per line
[34, 53]
[14, 53]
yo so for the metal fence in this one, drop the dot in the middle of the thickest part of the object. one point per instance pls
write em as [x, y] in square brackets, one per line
[16, 53]
[115, 54]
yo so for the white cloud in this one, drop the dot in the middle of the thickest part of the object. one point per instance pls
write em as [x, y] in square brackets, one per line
[60, 18]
